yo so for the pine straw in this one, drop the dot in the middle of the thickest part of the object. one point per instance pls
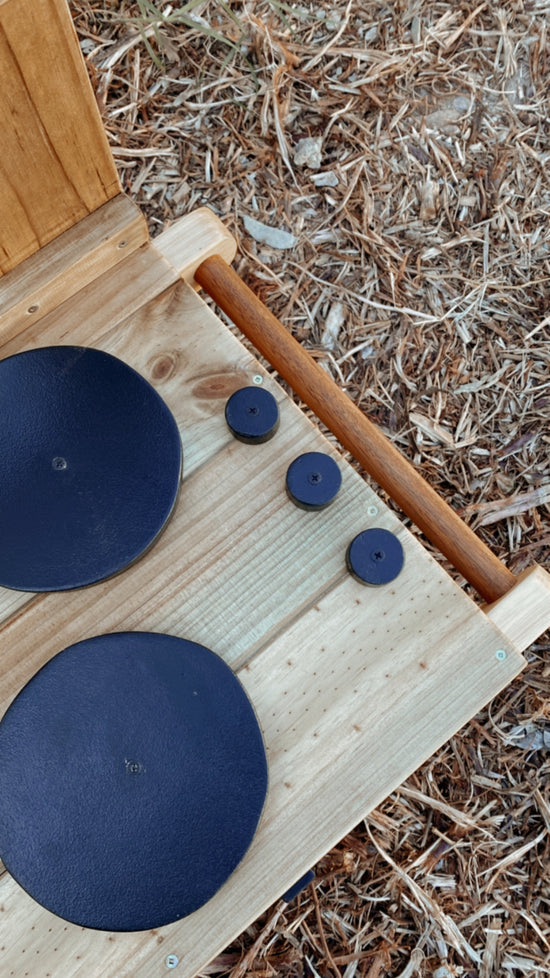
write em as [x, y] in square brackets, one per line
[430, 262]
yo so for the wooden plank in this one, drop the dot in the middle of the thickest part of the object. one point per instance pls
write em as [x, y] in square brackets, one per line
[194, 237]
[348, 708]
[61, 268]
[206, 542]
[524, 613]
[233, 523]
[103, 304]
[353, 686]
[55, 166]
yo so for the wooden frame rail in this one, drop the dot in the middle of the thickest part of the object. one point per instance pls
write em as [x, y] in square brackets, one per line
[356, 433]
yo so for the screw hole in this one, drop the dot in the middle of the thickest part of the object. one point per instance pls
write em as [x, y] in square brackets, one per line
[33, 308]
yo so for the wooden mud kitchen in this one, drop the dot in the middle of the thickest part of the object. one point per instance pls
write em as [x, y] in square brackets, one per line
[219, 647]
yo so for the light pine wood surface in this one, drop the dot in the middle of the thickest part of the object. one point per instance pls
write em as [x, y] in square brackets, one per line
[55, 164]
[524, 613]
[193, 238]
[65, 266]
[353, 687]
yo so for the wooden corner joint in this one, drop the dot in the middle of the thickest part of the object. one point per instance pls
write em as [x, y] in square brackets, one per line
[523, 614]
[193, 238]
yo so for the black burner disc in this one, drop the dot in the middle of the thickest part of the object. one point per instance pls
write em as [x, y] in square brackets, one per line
[132, 780]
[252, 415]
[313, 480]
[90, 467]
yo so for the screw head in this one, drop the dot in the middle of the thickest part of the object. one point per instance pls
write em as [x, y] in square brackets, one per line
[59, 463]
[372, 510]
[500, 654]
[172, 961]
[258, 379]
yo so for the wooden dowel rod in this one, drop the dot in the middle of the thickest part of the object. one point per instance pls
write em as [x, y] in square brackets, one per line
[356, 433]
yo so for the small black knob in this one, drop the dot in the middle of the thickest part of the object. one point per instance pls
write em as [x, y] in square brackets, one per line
[313, 480]
[252, 415]
[375, 556]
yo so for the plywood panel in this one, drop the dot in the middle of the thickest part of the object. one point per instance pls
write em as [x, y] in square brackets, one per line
[55, 165]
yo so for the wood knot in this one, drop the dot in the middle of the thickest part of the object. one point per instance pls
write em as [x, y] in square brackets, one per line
[163, 366]
[220, 385]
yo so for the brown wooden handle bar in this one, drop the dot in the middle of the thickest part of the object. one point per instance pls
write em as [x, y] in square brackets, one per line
[356, 433]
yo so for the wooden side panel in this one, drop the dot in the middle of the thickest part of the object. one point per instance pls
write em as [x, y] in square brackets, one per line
[55, 164]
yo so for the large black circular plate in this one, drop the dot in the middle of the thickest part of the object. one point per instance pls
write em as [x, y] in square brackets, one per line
[132, 779]
[90, 466]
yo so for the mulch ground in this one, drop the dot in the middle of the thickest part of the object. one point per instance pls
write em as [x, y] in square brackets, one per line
[385, 168]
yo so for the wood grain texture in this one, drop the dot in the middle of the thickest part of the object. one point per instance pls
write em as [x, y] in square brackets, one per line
[524, 613]
[104, 303]
[55, 165]
[355, 432]
[353, 686]
[192, 239]
[63, 267]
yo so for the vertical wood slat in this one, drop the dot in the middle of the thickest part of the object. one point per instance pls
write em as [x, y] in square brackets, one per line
[55, 162]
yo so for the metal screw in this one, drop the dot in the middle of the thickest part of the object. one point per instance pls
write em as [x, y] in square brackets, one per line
[258, 379]
[372, 511]
[500, 654]
[59, 463]
[172, 961]
[378, 555]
